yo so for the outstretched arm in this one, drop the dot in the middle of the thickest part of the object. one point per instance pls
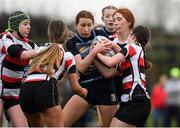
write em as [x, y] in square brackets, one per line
[15, 50]
[34, 52]
[111, 61]
[28, 54]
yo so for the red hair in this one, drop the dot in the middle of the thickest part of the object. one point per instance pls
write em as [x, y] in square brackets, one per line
[127, 14]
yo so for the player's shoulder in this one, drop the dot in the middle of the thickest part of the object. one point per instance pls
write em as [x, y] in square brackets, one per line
[6, 35]
[68, 54]
[100, 32]
[72, 41]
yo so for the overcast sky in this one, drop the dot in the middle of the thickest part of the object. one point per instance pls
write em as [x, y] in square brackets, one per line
[145, 11]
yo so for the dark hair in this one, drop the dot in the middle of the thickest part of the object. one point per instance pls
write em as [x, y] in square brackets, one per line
[142, 34]
[127, 14]
[84, 14]
[57, 31]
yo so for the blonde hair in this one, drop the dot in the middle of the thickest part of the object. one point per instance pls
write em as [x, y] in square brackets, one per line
[47, 61]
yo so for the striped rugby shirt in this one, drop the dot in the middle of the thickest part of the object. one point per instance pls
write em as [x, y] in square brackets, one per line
[67, 64]
[133, 68]
[12, 66]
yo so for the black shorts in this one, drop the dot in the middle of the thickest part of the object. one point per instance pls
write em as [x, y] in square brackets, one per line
[10, 102]
[38, 96]
[118, 86]
[134, 111]
[101, 92]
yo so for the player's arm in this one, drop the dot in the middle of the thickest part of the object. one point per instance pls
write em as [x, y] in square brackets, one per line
[104, 70]
[115, 47]
[70, 66]
[28, 54]
[128, 50]
[83, 64]
[111, 61]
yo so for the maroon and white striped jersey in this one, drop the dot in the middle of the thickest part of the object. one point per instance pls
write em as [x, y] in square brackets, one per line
[12, 66]
[67, 64]
[133, 68]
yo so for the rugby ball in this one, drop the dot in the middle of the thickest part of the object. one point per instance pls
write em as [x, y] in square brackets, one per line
[97, 39]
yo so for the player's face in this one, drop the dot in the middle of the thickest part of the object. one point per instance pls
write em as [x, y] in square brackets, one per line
[108, 19]
[84, 27]
[24, 27]
[121, 25]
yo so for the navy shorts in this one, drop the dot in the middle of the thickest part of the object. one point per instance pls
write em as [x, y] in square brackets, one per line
[38, 96]
[101, 92]
[134, 111]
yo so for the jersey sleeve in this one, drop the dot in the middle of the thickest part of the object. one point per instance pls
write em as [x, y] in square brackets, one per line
[70, 64]
[128, 50]
[71, 46]
[15, 50]
[10, 48]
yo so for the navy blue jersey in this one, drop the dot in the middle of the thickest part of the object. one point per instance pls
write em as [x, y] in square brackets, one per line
[12, 66]
[109, 35]
[79, 45]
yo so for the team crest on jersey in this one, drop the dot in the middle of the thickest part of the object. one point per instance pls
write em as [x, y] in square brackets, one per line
[84, 48]
[113, 97]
